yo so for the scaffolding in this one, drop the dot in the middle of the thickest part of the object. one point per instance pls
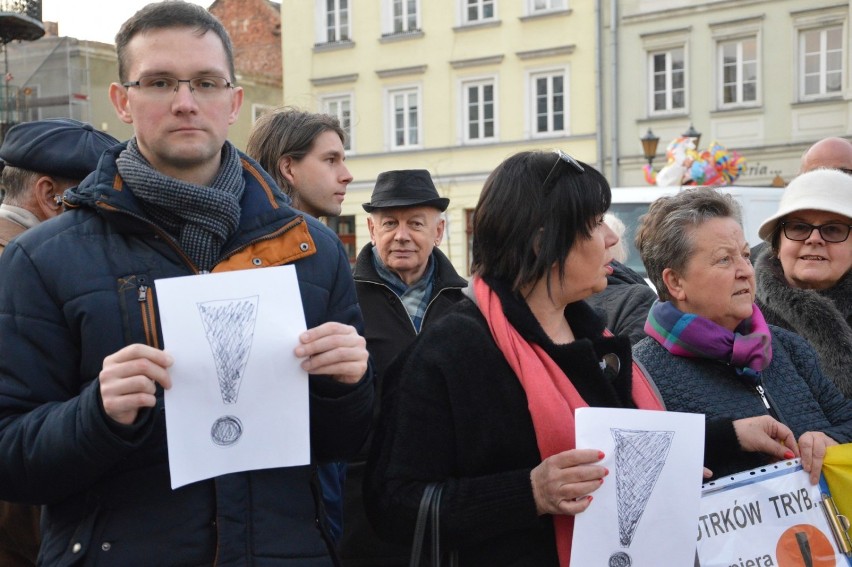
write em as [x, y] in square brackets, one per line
[20, 20]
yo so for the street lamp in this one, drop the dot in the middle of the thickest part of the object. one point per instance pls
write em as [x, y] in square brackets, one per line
[649, 146]
[692, 133]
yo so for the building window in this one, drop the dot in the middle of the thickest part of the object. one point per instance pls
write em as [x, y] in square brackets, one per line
[479, 114]
[821, 61]
[539, 6]
[476, 11]
[404, 118]
[668, 82]
[334, 18]
[344, 226]
[258, 110]
[549, 103]
[738, 72]
[404, 16]
[340, 106]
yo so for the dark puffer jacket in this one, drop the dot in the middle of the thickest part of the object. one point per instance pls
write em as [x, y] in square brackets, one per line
[802, 396]
[80, 287]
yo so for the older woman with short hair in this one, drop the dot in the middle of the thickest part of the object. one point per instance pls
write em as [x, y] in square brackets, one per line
[803, 276]
[709, 349]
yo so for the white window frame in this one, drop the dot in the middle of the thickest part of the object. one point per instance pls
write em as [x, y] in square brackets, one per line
[533, 7]
[321, 21]
[823, 62]
[480, 6]
[389, 20]
[532, 102]
[407, 91]
[464, 119]
[669, 89]
[258, 110]
[333, 104]
[739, 83]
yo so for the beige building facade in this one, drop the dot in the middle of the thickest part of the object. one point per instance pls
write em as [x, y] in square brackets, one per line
[764, 77]
[453, 87]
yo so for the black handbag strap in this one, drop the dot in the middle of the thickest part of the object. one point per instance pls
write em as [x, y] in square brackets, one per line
[435, 512]
[420, 526]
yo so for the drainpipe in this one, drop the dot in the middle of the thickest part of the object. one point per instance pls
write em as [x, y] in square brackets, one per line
[614, 110]
[599, 125]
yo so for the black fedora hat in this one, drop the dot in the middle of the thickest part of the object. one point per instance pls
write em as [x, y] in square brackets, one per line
[405, 188]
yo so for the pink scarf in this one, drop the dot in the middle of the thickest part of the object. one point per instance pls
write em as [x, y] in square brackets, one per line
[551, 396]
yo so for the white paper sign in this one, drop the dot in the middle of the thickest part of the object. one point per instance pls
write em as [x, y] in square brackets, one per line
[644, 512]
[239, 399]
[771, 515]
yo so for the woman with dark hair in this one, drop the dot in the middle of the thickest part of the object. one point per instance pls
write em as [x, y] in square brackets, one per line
[483, 402]
[709, 348]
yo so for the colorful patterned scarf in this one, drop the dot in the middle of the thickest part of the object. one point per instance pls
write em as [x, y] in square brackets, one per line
[748, 349]
[551, 397]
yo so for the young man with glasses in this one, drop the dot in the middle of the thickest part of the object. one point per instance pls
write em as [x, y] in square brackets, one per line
[82, 425]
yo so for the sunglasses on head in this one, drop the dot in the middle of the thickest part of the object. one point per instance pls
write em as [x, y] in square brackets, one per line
[562, 160]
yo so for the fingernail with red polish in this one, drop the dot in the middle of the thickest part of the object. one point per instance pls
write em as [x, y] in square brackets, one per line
[789, 455]
[590, 497]
[601, 455]
[606, 472]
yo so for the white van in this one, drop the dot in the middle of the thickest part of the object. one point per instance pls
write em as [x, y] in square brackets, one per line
[630, 203]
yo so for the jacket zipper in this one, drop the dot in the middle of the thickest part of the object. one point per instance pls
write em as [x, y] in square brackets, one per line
[763, 396]
[146, 304]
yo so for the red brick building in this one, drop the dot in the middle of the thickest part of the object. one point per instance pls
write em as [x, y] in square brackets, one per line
[255, 29]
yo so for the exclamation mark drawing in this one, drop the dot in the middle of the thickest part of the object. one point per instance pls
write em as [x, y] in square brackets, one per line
[229, 327]
[639, 460]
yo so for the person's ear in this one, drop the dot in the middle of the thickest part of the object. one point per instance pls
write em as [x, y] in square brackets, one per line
[372, 229]
[121, 103]
[47, 194]
[674, 284]
[439, 234]
[236, 103]
[285, 168]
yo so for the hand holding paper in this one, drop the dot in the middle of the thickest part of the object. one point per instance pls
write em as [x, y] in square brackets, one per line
[129, 378]
[334, 349]
[563, 482]
[813, 445]
[764, 434]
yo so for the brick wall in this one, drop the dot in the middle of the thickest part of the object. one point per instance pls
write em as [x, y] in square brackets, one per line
[255, 29]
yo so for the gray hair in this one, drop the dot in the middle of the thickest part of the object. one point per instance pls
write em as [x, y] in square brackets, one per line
[665, 234]
[16, 182]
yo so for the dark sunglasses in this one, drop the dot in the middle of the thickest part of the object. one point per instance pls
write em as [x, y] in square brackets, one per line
[561, 158]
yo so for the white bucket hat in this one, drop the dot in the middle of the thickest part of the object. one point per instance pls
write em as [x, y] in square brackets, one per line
[820, 190]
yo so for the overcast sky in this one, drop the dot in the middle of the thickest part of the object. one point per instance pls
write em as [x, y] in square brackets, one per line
[96, 20]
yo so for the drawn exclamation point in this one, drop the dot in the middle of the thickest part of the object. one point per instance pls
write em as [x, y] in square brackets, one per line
[639, 460]
[229, 327]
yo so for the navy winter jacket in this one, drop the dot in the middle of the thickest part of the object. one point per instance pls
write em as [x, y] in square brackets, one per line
[79, 288]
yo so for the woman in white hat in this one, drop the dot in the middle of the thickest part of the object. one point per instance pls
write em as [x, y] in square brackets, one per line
[803, 281]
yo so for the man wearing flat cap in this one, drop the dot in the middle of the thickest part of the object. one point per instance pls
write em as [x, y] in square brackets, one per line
[404, 283]
[41, 159]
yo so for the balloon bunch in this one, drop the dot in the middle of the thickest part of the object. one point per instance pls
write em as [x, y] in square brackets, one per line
[686, 166]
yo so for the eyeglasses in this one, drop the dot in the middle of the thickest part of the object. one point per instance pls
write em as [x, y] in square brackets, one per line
[830, 232]
[561, 158]
[162, 86]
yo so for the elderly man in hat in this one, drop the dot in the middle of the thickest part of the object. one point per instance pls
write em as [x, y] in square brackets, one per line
[404, 282]
[41, 159]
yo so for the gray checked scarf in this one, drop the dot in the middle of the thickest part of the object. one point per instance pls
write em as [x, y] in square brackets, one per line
[200, 218]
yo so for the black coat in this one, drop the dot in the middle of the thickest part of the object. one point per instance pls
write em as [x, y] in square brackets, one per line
[456, 413]
[388, 330]
[625, 302]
